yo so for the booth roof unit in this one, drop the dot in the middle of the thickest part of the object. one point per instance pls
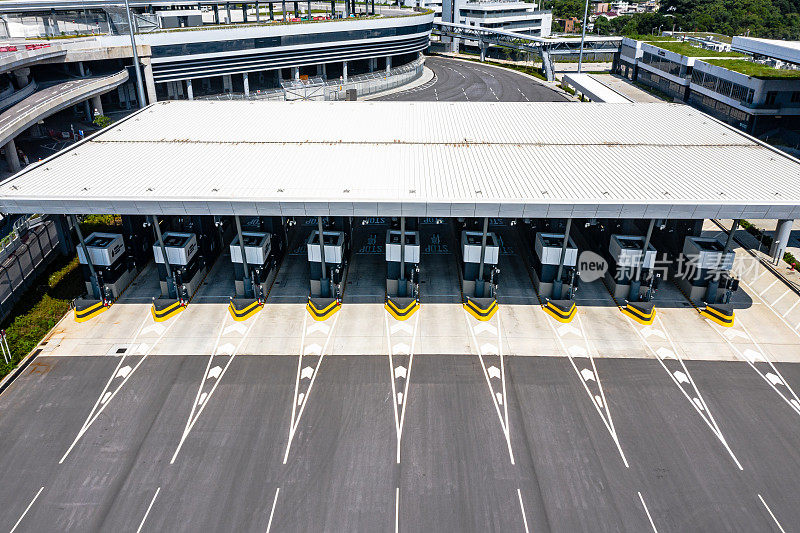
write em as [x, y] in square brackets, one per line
[429, 159]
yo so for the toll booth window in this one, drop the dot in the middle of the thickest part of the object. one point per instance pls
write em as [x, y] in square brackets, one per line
[474, 239]
[330, 239]
[630, 244]
[252, 240]
[552, 242]
[175, 241]
[99, 242]
[710, 246]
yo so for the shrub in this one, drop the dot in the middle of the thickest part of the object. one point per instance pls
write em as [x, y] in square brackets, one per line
[102, 121]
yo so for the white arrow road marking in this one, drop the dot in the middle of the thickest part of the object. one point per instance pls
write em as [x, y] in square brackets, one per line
[157, 328]
[307, 373]
[322, 327]
[666, 353]
[566, 329]
[494, 372]
[104, 399]
[495, 350]
[401, 348]
[480, 327]
[757, 358]
[312, 349]
[649, 331]
[685, 383]
[731, 333]
[401, 326]
[237, 327]
[586, 375]
[400, 372]
[216, 373]
[301, 398]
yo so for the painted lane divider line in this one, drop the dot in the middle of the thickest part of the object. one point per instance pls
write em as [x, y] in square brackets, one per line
[122, 374]
[575, 345]
[401, 359]
[671, 361]
[310, 357]
[222, 355]
[25, 512]
[490, 348]
[149, 508]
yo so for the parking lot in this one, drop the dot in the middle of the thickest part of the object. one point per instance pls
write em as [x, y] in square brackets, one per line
[441, 422]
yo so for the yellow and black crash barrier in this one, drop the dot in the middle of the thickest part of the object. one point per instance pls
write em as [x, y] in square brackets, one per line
[243, 308]
[481, 308]
[322, 308]
[561, 310]
[165, 308]
[722, 314]
[86, 309]
[641, 312]
[401, 308]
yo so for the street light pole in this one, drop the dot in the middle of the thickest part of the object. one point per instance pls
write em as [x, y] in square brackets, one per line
[136, 68]
[583, 35]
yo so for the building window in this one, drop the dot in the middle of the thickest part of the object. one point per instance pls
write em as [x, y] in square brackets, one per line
[771, 96]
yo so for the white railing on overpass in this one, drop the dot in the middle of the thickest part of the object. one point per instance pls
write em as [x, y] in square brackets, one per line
[317, 89]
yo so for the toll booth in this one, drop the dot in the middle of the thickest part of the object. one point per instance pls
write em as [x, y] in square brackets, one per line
[705, 275]
[402, 272]
[184, 269]
[480, 269]
[631, 276]
[257, 249]
[328, 263]
[480, 252]
[106, 255]
[548, 248]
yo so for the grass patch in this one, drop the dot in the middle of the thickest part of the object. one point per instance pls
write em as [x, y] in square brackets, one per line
[755, 70]
[686, 49]
[46, 301]
[651, 38]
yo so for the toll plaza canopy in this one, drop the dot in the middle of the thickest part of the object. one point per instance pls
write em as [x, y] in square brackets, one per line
[429, 159]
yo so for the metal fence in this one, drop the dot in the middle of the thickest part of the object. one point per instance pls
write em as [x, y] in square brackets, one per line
[319, 89]
[24, 258]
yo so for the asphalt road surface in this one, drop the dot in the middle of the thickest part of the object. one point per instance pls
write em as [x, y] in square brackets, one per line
[461, 81]
[340, 473]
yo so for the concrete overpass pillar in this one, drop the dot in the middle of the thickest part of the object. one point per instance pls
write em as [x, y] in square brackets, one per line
[388, 65]
[319, 70]
[244, 12]
[228, 11]
[97, 105]
[189, 90]
[295, 73]
[87, 108]
[227, 84]
[11, 156]
[324, 71]
[246, 82]
[21, 76]
[371, 64]
[149, 81]
[215, 7]
[783, 230]
[483, 51]
[344, 70]
[258, 12]
[283, 10]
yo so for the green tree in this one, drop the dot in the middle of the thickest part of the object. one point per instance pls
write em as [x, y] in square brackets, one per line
[602, 26]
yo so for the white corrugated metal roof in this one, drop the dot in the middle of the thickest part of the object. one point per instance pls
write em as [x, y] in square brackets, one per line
[594, 89]
[418, 159]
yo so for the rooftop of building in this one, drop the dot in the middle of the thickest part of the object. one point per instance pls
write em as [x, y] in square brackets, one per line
[418, 159]
[755, 70]
[688, 50]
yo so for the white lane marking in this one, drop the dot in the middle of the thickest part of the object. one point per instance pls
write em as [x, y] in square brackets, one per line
[600, 406]
[397, 510]
[28, 508]
[216, 373]
[771, 514]
[779, 298]
[465, 93]
[647, 512]
[522, 508]
[790, 309]
[149, 507]
[498, 351]
[105, 399]
[299, 399]
[405, 373]
[781, 317]
[684, 376]
[753, 357]
[768, 288]
[272, 512]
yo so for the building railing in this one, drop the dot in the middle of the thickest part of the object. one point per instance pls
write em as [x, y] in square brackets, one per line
[319, 89]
